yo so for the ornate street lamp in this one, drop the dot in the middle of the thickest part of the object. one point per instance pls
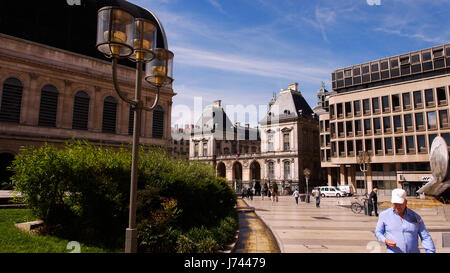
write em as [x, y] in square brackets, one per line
[363, 160]
[307, 173]
[120, 35]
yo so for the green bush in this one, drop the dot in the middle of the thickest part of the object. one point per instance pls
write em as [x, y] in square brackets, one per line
[82, 193]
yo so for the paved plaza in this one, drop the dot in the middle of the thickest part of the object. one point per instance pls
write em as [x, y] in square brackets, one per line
[334, 228]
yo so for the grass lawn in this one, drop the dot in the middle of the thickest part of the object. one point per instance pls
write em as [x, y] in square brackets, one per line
[13, 240]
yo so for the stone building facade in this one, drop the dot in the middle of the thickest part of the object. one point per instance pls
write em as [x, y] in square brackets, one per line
[52, 94]
[285, 143]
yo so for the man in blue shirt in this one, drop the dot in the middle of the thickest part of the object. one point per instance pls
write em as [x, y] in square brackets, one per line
[400, 227]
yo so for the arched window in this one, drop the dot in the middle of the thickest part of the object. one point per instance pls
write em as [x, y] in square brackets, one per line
[158, 122]
[80, 117]
[109, 115]
[287, 170]
[48, 108]
[271, 170]
[11, 100]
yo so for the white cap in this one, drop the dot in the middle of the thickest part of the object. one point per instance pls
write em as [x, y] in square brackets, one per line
[398, 196]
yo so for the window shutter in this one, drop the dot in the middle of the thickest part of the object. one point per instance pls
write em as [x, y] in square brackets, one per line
[158, 123]
[49, 106]
[80, 116]
[11, 101]
[109, 115]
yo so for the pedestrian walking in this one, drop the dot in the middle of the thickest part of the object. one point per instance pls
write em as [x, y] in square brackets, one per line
[399, 227]
[273, 195]
[262, 194]
[296, 195]
[250, 193]
[244, 193]
[373, 202]
[317, 196]
[269, 193]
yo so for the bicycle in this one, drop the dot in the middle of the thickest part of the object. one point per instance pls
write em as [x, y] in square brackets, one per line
[358, 205]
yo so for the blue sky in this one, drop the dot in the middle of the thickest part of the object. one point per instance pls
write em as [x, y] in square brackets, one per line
[241, 51]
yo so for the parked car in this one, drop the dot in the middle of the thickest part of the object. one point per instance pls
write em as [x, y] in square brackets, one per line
[326, 191]
[348, 189]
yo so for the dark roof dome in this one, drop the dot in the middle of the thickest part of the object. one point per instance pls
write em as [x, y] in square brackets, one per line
[68, 27]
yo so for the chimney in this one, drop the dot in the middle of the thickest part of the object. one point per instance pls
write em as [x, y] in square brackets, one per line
[218, 103]
[293, 86]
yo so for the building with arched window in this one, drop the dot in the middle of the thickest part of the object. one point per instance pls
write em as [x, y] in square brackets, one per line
[55, 85]
[285, 143]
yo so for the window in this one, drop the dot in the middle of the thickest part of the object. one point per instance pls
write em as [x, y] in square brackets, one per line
[341, 129]
[431, 139]
[397, 124]
[446, 137]
[385, 102]
[109, 115]
[396, 102]
[408, 122]
[158, 122]
[441, 96]
[342, 148]
[378, 146]
[429, 97]
[359, 146]
[286, 142]
[432, 122]
[377, 125]
[410, 145]
[399, 145]
[367, 127]
[358, 127]
[418, 102]
[368, 143]
[388, 146]
[349, 128]
[420, 124]
[350, 149]
[348, 109]
[196, 149]
[271, 170]
[387, 124]
[332, 111]
[205, 149]
[270, 146]
[443, 119]
[421, 144]
[80, 115]
[376, 105]
[11, 100]
[366, 106]
[406, 101]
[226, 150]
[357, 107]
[49, 106]
[287, 170]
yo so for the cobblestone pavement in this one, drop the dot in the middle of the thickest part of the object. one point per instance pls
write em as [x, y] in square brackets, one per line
[333, 228]
[254, 235]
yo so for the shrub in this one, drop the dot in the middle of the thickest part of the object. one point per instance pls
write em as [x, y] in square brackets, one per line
[82, 193]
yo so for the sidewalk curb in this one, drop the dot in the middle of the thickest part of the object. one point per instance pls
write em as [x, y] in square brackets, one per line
[277, 239]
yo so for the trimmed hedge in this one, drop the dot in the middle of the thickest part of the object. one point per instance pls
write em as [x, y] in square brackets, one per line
[82, 193]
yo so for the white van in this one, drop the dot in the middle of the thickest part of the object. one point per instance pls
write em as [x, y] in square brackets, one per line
[326, 191]
[348, 189]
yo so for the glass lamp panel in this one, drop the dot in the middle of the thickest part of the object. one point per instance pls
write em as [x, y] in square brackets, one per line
[115, 31]
[159, 71]
[144, 40]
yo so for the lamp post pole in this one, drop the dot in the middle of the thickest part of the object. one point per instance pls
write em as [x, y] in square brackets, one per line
[120, 35]
[363, 159]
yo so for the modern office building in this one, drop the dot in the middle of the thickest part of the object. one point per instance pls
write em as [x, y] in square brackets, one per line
[55, 85]
[391, 108]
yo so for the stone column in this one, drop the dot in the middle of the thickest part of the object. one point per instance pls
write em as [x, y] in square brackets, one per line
[369, 178]
[342, 174]
[398, 167]
[31, 98]
[330, 177]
